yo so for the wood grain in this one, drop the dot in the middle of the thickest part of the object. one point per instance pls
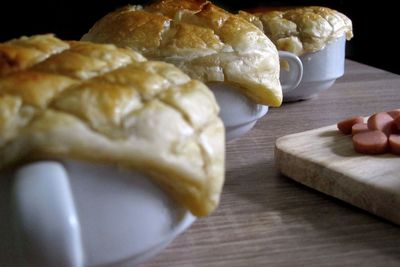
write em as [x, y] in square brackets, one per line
[324, 159]
[266, 219]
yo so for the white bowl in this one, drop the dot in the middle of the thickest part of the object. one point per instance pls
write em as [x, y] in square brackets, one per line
[72, 213]
[320, 71]
[238, 113]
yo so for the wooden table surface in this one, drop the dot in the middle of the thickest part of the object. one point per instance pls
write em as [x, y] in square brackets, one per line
[266, 219]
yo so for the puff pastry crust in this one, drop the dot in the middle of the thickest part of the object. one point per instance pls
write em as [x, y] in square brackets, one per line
[304, 29]
[100, 103]
[203, 40]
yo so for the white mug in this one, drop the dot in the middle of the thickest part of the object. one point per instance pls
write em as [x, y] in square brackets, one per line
[77, 214]
[320, 71]
[238, 112]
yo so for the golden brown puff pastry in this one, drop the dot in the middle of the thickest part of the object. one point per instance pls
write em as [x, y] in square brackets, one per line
[99, 103]
[304, 29]
[205, 41]
[252, 18]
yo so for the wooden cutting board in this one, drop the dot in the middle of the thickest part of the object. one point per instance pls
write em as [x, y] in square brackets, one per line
[324, 159]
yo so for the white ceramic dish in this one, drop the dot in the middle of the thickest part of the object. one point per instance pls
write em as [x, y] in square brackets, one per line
[79, 214]
[320, 71]
[238, 112]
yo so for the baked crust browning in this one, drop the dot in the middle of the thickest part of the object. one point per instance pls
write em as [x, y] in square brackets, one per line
[100, 103]
[304, 29]
[205, 41]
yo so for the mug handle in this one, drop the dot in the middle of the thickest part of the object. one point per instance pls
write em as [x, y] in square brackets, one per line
[46, 215]
[296, 67]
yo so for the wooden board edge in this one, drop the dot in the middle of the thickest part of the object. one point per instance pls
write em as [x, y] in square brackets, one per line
[315, 175]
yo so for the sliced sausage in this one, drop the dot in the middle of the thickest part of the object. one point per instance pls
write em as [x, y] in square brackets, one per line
[382, 121]
[394, 113]
[394, 143]
[371, 142]
[345, 125]
[397, 123]
[359, 128]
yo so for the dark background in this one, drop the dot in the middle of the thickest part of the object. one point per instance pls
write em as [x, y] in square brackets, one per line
[375, 26]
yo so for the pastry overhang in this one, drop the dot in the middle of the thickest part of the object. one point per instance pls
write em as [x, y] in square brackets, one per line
[205, 41]
[304, 29]
[100, 103]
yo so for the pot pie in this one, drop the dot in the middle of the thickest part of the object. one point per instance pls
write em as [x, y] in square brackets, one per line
[205, 41]
[304, 29]
[99, 103]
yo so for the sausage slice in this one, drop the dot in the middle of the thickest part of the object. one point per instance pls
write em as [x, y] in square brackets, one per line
[381, 121]
[394, 113]
[394, 143]
[371, 142]
[359, 128]
[397, 123]
[345, 125]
